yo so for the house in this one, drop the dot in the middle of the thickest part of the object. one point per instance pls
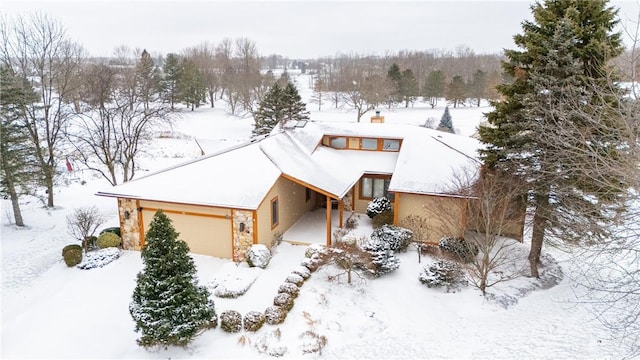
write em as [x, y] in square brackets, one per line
[223, 203]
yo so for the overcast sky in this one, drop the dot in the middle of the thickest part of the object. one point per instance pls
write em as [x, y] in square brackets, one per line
[295, 29]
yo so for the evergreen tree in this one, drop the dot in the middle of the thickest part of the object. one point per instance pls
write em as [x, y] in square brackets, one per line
[408, 87]
[17, 164]
[168, 306]
[171, 78]
[394, 76]
[434, 87]
[192, 88]
[456, 91]
[277, 107]
[559, 76]
[477, 86]
[146, 79]
[446, 124]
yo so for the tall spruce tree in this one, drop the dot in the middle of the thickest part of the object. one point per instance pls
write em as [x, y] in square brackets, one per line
[171, 78]
[408, 87]
[191, 87]
[394, 76]
[434, 87]
[560, 74]
[17, 164]
[168, 306]
[277, 107]
[477, 87]
[146, 79]
[456, 91]
[446, 124]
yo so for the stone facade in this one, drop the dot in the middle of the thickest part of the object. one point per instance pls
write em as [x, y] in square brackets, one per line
[130, 227]
[242, 233]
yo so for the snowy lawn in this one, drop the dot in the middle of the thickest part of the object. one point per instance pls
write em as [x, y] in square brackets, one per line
[52, 311]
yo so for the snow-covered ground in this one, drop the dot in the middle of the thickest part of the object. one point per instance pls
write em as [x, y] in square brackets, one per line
[52, 311]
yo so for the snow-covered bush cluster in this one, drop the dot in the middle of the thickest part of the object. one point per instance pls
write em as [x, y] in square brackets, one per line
[382, 257]
[258, 255]
[284, 301]
[233, 280]
[397, 237]
[294, 279]
[289, 288]
[275, 315]
[231, 321]
[99, 258]
[302, 271]
[443, 273]
[459, 248]
[378, 206]
[253, 320]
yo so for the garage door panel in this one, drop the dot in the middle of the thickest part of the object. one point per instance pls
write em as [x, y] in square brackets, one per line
[204, 235]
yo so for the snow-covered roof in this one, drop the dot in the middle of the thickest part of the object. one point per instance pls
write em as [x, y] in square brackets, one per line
[238, 178]
[242, 176]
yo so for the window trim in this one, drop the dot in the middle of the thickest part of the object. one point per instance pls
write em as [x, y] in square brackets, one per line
[275, 223]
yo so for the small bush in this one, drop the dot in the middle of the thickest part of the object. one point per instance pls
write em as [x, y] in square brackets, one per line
[382, 257]
[99, 258]
[314, 249]
[310, 264]
[91, 243]
[398, 238]
[430, 249]
[303, 271]
[443, 273]
[258, 256]
[114, 230]
[231, 321]
[72, 255]
[385, 218]
[289, 288]
[283, 300]
[108, 239]
[275, 315]
[459, 248]
[378, 206]
[351, 223]
[294, 279]
[253, 320]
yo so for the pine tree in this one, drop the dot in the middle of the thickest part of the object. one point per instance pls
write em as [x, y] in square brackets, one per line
[434, 87]
[17, 165]
[394, 76]
[456, 91]
[171, 78]
[192, 88]
[277, 107]
[559, 76]
[408, 87]
[168, 306]
[146, 79]
[446, 124]
[477, 86]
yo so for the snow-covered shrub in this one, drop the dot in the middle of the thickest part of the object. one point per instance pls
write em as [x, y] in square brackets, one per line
[378, 206]
[294, 279]
[284, 301]
[385, 218]
[231, 321]
[253, 320]
[382, 257]
[311, 264]
[313, 249]
[397, 237]
[351, 223]
[430, 249]
[459, 248]
[289, 288]
[303, 271]
[258, 255]
[275, 315]
[72, 255]
[269, 343]
[443, 273]
[312, 342]
[99, 258]
[233, 281]
[108, 239]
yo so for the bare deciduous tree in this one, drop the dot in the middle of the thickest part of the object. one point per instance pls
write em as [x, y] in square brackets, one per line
[83, 223]
[37, 48]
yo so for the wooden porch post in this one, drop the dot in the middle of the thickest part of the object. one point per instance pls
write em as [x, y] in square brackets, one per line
[341, 208]
[328, 220]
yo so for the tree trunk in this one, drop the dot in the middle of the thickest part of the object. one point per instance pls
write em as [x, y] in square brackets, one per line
[49, 183]
[17, 214]
[537, 236]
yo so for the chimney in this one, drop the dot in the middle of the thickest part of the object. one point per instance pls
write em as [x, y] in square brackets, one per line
[377, 118]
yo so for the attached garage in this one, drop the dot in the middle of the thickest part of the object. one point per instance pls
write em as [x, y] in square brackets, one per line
[207, 230]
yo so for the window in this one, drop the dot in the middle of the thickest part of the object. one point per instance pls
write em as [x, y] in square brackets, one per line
[375, 187]
[391, 145]
[275, 215]
[338, 142]
[369, 144]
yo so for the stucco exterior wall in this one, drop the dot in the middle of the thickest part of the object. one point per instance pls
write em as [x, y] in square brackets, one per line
[207, 230]
[445, 216]
[292, 205]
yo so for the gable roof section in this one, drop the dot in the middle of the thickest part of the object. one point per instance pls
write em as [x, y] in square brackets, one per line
[237, 178]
